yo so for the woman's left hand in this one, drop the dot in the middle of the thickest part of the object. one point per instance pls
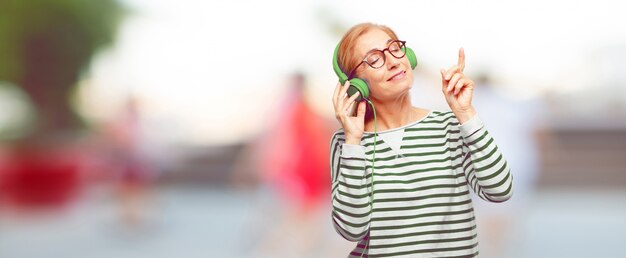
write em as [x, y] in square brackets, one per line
[458, 90]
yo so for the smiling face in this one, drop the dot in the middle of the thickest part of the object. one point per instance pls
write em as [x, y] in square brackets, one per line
[390, 81]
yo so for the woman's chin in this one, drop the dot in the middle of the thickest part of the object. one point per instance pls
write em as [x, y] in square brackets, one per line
[401, 86]
[397, 91]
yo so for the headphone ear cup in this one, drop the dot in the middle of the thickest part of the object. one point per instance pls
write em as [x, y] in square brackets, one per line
[358, 85]
[411, 56]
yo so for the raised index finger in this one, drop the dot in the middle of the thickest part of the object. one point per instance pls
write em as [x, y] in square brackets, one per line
[461, 64]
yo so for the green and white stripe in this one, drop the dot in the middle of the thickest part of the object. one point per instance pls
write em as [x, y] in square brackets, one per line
[422, 205]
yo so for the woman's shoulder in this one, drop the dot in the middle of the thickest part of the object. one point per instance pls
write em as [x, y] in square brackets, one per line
[440, 117]
[439, 112]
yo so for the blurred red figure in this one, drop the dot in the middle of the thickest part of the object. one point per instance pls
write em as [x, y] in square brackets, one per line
[295, 151]
[134, 172]
[291, 159]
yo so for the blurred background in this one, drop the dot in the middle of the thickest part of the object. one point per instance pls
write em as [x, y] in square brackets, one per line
[153, 128]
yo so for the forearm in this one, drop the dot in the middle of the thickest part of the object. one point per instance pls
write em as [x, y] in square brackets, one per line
[484, 165]
[351, 194]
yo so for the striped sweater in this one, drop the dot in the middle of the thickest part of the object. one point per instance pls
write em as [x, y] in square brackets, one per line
[421, 202]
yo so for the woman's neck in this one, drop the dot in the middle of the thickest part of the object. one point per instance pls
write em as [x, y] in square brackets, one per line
[392, 114]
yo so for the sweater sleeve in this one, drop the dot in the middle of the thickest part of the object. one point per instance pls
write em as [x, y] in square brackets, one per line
[486, 169]
[350, 189]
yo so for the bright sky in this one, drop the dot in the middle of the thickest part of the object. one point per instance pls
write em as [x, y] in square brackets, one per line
[213, 72]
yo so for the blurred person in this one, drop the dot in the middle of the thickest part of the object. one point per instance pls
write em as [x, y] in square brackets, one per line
[292, 163]
[134, 171]
[288, 158]
[401, 174]
[284, 158]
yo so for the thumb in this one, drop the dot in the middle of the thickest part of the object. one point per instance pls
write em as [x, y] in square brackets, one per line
[361, 110]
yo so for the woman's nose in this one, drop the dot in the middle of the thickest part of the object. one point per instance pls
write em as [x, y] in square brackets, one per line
[392, 61]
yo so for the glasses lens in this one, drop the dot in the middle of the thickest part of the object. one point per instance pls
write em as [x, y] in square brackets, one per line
[396, 48]
[375, 59]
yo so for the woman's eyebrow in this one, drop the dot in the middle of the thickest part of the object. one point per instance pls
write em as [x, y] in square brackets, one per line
[374, 49]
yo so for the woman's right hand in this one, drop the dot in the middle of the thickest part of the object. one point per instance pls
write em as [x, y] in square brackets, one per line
[353, 126]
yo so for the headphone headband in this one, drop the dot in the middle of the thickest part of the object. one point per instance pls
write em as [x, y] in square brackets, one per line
[342, 76]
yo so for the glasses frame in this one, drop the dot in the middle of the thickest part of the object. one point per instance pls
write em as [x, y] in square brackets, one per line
[402, 47]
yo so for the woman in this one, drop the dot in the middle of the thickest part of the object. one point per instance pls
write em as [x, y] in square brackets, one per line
[416, 202]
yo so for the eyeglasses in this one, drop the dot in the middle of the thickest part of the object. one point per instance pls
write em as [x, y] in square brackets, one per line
[376, 58]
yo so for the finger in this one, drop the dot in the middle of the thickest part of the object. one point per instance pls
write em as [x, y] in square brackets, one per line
[344, 89]
[361, 110]
[461, 64]
[443, 78]
[454, 69]
[336, 93]
[351, 100]
[349, 111]
[459, 85]
[341, 99]
[469, 84]
[455, 78]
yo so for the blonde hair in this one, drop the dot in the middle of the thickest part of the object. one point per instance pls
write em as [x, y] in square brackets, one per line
[347, 59]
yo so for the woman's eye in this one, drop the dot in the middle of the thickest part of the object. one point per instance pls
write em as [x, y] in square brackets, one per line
[374, 61]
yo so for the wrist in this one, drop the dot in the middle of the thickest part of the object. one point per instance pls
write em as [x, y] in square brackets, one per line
[465, 115]
[353, 140]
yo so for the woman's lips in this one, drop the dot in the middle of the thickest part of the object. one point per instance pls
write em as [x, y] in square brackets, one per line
[398, 76]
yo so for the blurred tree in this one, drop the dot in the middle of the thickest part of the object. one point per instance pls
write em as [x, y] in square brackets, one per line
[45, 45]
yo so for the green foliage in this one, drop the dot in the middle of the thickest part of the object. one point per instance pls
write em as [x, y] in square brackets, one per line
[76, 28]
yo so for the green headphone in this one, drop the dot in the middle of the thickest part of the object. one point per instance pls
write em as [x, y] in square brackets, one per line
[358, 84]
